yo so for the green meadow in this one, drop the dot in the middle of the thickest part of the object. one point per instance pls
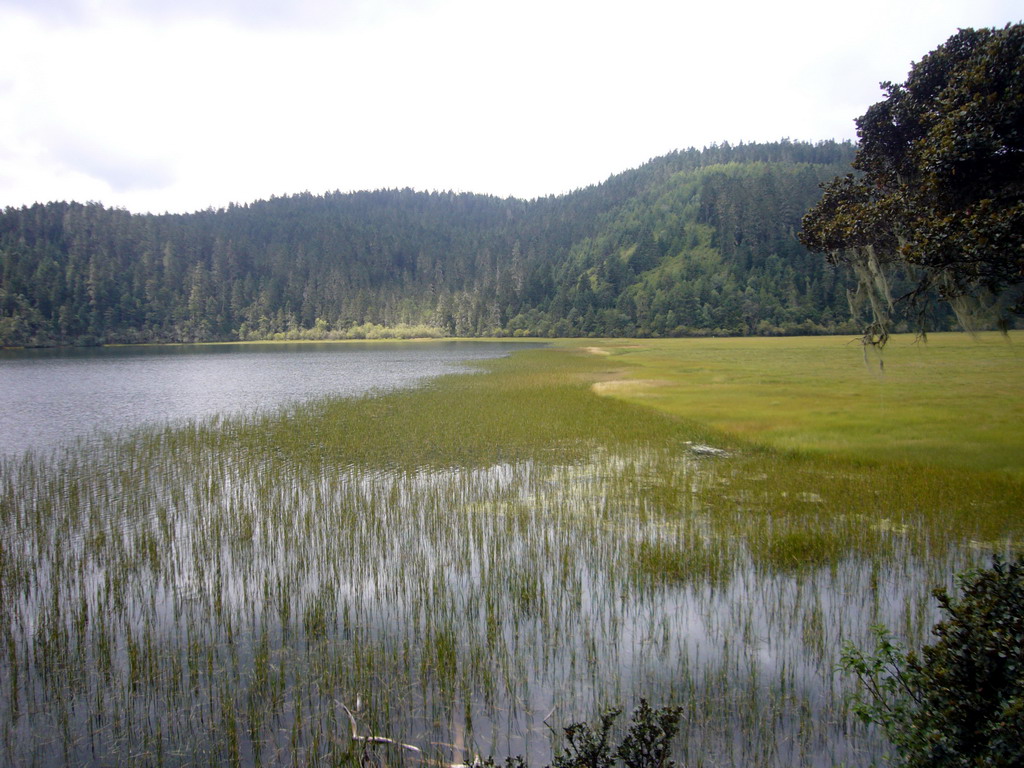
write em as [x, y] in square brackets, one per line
[952, 400]
[469, 566]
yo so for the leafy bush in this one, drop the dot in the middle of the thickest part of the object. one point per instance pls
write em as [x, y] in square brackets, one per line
[962, 702]
[647, 743]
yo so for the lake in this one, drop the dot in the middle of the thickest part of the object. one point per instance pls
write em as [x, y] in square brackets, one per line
[50, 397]
[467, 568]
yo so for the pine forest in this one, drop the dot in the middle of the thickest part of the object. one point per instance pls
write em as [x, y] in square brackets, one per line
[697, 242]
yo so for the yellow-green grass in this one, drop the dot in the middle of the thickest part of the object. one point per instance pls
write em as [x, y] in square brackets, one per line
[953, 401]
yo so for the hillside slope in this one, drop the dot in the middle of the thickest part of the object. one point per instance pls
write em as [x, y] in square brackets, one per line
[695, 242]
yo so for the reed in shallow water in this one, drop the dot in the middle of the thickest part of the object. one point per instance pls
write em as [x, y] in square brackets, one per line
[459, 565]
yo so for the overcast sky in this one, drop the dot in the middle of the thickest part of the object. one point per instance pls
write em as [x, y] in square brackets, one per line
[181, 105]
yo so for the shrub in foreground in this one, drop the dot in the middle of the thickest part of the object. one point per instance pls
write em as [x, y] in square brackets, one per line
[961, 702]
[646, 744]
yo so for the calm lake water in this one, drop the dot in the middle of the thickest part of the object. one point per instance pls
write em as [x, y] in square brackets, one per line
[51, 397]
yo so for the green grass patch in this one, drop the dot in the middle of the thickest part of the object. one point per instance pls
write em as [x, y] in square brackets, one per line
[536, 404]
[693, 562]
[953, 401]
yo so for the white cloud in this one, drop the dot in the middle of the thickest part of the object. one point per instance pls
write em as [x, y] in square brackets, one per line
[246, 13]
[180, 106]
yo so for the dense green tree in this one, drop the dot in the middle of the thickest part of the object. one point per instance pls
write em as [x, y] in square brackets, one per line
[938, 200]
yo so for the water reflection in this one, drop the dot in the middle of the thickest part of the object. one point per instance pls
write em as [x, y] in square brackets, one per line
[50, 397]
[219, 611]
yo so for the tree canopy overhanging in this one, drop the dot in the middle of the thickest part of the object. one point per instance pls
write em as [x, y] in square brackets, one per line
[938, 200]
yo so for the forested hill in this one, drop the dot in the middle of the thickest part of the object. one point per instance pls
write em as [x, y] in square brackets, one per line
[695, 242]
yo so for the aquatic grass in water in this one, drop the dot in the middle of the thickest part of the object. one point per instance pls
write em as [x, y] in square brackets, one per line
[463, 566]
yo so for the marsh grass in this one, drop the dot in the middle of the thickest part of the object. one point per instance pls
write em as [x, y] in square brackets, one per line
[468, 567]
